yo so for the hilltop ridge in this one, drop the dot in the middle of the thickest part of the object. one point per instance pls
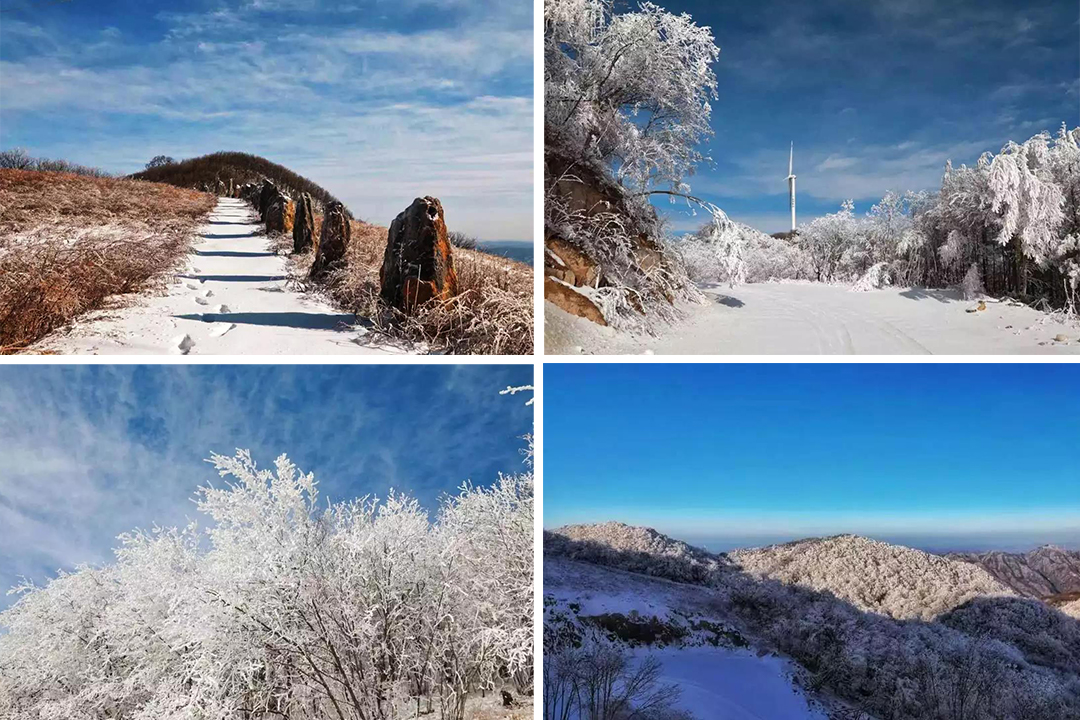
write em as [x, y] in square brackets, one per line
[231, 170]
[1046, 570]
[894, 580]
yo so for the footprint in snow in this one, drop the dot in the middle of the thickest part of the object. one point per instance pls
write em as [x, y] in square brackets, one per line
[182, 344]
[202, 301]
[221, 330]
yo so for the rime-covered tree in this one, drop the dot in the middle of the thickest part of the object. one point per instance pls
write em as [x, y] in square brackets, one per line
[285, 606]
[629, 91]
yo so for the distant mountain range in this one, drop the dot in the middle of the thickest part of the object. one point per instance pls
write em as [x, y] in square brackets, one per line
[1040, 573]
[853, 627]
[513, 249]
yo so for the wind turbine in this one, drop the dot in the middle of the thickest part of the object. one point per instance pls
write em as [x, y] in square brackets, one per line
[791, 183]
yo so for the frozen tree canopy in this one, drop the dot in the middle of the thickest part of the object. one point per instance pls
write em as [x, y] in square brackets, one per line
[627, 91]
[286, 606]
[627, 100]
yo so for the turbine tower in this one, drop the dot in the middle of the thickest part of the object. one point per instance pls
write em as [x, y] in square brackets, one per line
[791, 183]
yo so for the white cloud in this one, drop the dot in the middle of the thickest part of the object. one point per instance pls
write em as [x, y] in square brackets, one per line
[378, 117]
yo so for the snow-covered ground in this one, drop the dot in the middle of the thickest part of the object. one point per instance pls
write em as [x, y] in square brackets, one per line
[231, 298]
[734, 683]
[812, 318]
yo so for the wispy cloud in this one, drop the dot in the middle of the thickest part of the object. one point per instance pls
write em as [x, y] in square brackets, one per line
[93, 451]
[377, 107]
[876, 96]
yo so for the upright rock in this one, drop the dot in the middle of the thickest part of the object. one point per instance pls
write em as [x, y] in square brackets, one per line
[418, 264]
[279, 216]
[303, 233]
[266, 196]
[333, 241]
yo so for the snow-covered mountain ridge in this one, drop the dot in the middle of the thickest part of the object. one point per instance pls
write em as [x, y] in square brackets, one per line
[897, 581]
[1039, 573]
[854, 627]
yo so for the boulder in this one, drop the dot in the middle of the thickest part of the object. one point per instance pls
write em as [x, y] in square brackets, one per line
[568, 263]
[303, 232]
[418, 264]
[279, 216]
[333, 241]
[572, 301]
[266, 196]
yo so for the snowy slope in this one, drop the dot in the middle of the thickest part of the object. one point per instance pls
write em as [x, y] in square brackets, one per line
[815, 318]
[734, 684]
[718, 674]
[231, 298]
[880, 577]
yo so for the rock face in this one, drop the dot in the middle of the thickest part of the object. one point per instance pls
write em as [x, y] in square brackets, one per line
[333, 241]
[418, 264]
[279, 216]
[587, 194]
[569, 264]
[566, 297]
[1045, 571]
[303, 232]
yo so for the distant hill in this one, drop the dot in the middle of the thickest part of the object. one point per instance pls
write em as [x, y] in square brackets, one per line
[239, 168]
[1040, 573]
[897, 581]
[636, 549]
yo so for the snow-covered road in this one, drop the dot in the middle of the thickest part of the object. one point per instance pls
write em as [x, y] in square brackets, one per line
[230, 298]
[811, 318]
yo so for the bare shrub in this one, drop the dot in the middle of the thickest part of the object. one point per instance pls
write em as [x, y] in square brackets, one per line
[599, 681]
[68, 242]
[20, 159]
[461, 240]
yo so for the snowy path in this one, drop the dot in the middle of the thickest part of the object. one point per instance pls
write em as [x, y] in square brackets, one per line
[231, 298]
[811, 319]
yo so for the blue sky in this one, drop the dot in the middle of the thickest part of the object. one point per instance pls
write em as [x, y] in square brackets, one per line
[875, 96]
[91, 451]
[377, 101]
[941, 456]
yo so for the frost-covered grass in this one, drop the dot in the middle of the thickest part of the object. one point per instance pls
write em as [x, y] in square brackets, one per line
[69, 242]
[491, 315]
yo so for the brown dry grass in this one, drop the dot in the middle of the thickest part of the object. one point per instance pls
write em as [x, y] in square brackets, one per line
[491, 315]
[68, 242]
